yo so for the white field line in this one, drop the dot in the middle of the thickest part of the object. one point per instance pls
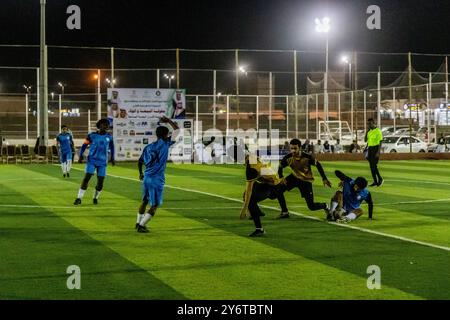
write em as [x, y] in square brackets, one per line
[387, 235]
[304, 216]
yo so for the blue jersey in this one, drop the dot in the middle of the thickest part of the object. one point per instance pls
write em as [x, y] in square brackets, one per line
[352, 199]
[100, 145]
[65, 143]
[155, 156]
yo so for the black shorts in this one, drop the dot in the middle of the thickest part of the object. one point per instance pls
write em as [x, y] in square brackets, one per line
[305, 187]
[263, 191]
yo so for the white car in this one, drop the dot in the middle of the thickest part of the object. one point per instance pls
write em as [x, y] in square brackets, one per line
[400, 144]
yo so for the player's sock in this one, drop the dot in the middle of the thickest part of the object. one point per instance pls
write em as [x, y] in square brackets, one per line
[139, 218]
[97, 194]
[147, 217]
[63, 167]
[69, 166]
[333, 206]
[81, 193]
[351, 216]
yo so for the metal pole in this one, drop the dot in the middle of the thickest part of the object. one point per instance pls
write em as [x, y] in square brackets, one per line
[430, 96]
[270, 102]
[237, 85]
[355, 61]
[446, 82]
[351, 112]
[296, 92]
[339, 106]
[257, 113]
[38, 103]
[27, 106]
[326, 82]
[178, 68]
[112, 68]
[410, 99]
[99, 97]
[89, 120]
[228, 115]
[379, 100]
[157, 78]
[59, 111]
[395, 108]
[43, 84]
[365, 111]
[196, 118]
[307, 117]
[317, 116]
[287, 117]
[214, 97]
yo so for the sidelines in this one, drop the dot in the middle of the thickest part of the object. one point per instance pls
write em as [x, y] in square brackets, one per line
[298, 214]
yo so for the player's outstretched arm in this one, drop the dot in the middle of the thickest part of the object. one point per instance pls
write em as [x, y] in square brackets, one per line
[325, 180]
[173, 124]
[283, 164]
[341, 176]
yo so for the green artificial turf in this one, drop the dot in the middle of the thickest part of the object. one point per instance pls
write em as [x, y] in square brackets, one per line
[198, 248]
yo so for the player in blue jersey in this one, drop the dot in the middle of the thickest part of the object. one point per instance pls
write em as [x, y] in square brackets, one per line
[100, 145]
[346, 204]
[65, 146]
[154, 157]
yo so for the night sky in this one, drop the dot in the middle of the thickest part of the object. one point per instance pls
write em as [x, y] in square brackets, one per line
[407, 25]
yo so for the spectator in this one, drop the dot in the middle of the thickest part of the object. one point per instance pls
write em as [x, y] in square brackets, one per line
[318, 148]
[327, 147]
[354, 148]
[441, 144]
[307, 147]
[338, 147]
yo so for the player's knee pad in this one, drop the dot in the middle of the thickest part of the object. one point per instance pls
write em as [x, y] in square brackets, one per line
[100, 181]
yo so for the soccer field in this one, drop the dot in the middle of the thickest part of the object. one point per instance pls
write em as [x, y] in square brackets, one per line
[198, 248]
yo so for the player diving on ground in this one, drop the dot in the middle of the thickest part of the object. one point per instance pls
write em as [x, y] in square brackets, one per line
[345, 206]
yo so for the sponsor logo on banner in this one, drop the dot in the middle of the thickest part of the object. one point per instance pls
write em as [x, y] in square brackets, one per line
[187, 124]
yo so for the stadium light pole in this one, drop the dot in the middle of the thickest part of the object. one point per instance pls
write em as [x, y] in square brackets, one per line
[346, 60]
[111, 83]
[323, 26]
[27, 88]
[43, 80]
[99, 97]
[62, 86]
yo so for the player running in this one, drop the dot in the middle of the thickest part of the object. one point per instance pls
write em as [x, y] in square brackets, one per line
[154, 157]
[100, 144]
[345, 206]
[65, 145]
[262, 183]
[301, 177]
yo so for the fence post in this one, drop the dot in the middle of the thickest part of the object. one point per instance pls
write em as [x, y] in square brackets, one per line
[257, 113]
[27, 106]
[395, 108]
[59, 111]
[196, 118]
[307, 117]
[112, 68]
[214, 97]
[287, 117]
[228, 115]
[351, 112]
[38, 104]
[157, 78]
[89, 120]
[317, 116]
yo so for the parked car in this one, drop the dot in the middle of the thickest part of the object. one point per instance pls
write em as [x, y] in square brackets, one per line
[404, 132]
[401, 144]
[389, 131]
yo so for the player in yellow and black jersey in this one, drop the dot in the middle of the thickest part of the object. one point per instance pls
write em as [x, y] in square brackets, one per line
[301, 177]
[262, 183]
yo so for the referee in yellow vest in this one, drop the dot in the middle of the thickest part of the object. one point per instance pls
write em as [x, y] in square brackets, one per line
[374, 138]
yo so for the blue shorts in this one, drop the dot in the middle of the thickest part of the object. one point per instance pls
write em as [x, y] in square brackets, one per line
[91, 167]
[65, 157]
[152, 191]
